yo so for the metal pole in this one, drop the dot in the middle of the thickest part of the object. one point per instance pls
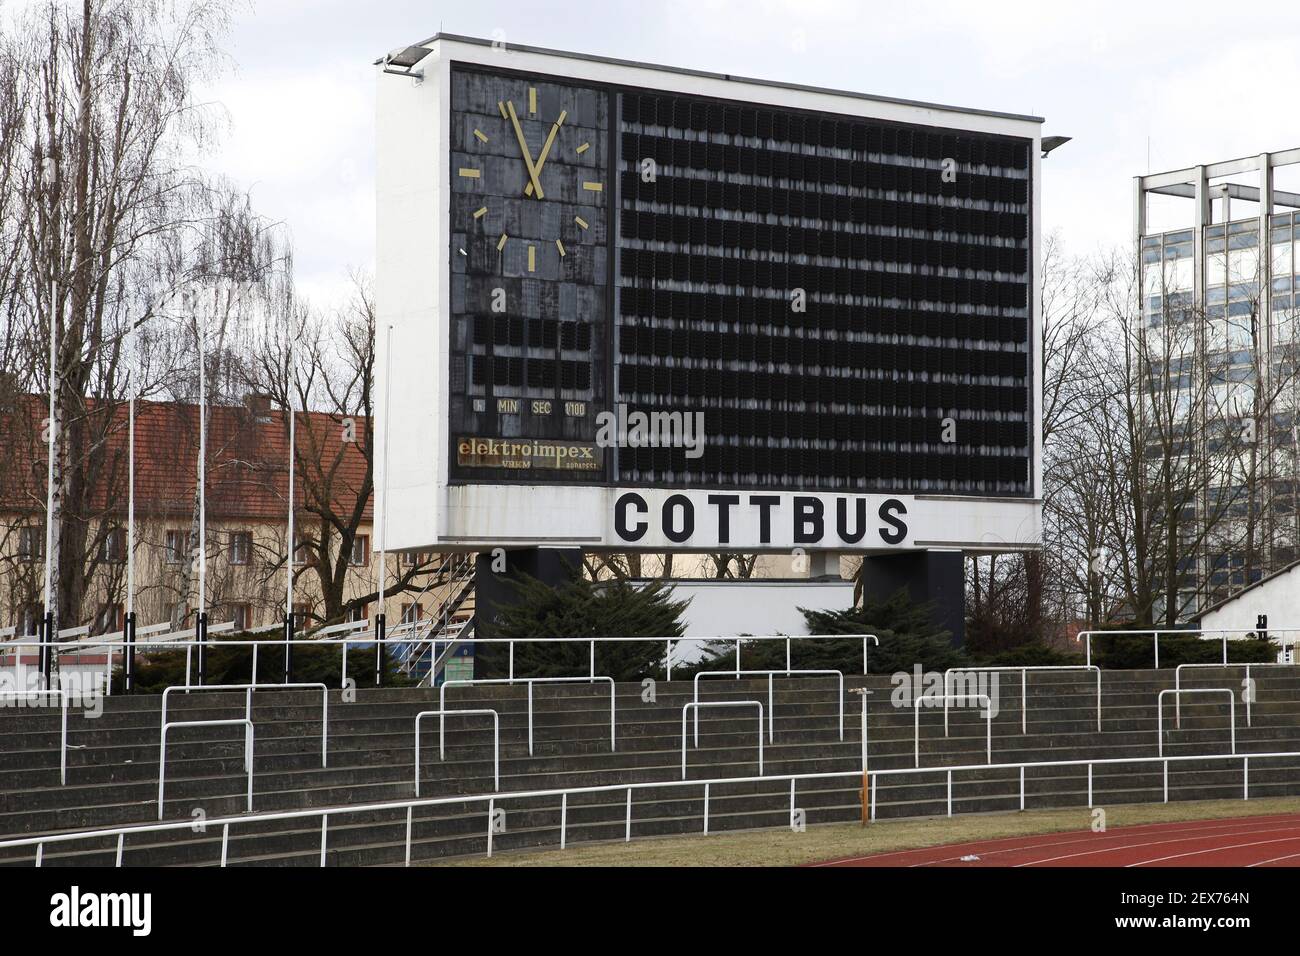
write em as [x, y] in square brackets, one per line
[288, 647]
[288, 561]
[383, 505]
[128, 658]
[201, 635]
[203, 454]
[130, 479]
[46, 652]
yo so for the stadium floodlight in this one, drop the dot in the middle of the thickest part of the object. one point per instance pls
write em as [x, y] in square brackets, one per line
[1049, 143]
[402, 62]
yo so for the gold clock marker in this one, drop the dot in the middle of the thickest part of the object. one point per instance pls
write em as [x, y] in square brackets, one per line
[582, 223]
[532, 100]
[501, 105]
[501, 243]
[482, 137]
[559, 245]
[593, 187]
[532, 258]
[583, 148]
[478, 213]
[469, 173]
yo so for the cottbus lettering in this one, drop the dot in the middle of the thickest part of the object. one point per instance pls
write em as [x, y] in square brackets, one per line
[807, 515]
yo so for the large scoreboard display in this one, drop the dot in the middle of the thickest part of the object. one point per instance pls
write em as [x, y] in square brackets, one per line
[846, 300]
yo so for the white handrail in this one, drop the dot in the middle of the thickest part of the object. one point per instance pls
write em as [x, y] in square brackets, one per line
[172, 641]
[248, 753]
[771, 708]
[491, 799]
[62, 694]
[934, 698]
[530, 681]
[1024, 700]
[1249, 695]
[1178, 692]
[696, 705]
[248, 703]
[442, 751]
[1223, 634]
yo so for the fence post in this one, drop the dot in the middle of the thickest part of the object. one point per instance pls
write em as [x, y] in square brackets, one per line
[201, 634]
[381, 630]
[128, 657]
[45, 659]
[288, 648]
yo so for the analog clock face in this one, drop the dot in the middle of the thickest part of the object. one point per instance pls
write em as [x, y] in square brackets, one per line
[529, 183]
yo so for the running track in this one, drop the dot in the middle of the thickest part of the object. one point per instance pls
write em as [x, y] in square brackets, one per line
[1246, 841]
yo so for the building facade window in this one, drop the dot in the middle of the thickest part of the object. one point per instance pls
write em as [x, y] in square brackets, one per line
[110, 618]
[178, 546]
[242, 616]
[31, 543]
[113, 547]
[241, 547]
[360, 556]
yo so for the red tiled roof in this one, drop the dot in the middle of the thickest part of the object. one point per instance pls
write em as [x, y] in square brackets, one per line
[247, 471]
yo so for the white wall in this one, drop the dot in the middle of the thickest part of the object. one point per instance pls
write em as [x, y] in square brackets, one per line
[724, 608]
[1277, 597]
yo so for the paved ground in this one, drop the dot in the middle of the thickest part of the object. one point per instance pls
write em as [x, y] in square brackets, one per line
[1271, 841]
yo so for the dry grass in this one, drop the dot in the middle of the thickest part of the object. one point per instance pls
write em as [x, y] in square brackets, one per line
[785, 848]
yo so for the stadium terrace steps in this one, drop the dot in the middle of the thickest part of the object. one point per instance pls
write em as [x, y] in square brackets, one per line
[113, 762]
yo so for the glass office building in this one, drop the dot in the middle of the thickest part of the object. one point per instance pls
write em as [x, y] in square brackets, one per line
[1219, 303]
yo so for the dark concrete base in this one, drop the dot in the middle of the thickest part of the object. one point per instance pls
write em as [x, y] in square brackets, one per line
[492, 590]
[935, 576]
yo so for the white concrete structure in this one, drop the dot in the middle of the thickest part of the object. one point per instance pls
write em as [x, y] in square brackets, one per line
[1273, 602]
[427, 511]
[756, 606]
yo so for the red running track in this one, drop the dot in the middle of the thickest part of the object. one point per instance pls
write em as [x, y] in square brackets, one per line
[1245, 841]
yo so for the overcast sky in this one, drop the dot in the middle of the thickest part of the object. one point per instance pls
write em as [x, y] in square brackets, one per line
[1186, 83]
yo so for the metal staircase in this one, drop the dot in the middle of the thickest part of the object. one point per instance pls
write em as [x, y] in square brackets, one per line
[427, 645]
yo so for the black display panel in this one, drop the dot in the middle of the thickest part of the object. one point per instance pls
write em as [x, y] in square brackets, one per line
[530, 286]
[846, 300]
[916, 299]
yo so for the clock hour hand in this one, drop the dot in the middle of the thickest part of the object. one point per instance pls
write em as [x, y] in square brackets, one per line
[546, 149]
[523, 146]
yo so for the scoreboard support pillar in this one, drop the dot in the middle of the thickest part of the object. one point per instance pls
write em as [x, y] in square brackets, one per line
[493, 591]
[937, 577]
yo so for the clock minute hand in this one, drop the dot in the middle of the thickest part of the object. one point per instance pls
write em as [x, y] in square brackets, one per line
[523, 146]
[546, 149]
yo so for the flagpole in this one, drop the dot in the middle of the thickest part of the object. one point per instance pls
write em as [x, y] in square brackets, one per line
[203, 455]
[288, 408]
[383, 506]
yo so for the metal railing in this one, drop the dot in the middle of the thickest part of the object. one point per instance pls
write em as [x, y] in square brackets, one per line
[696, 705]
[442, 750]
[248, 753]
[671, 642]
[929, 699]
[1090, 764]
[1248, 696]
[121, 833]
[1160, 711]
[248, 703]
[771, 708]
[402, 634]
[62, 694]
[530, 681]
[1024, 700]
[1222, 634]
